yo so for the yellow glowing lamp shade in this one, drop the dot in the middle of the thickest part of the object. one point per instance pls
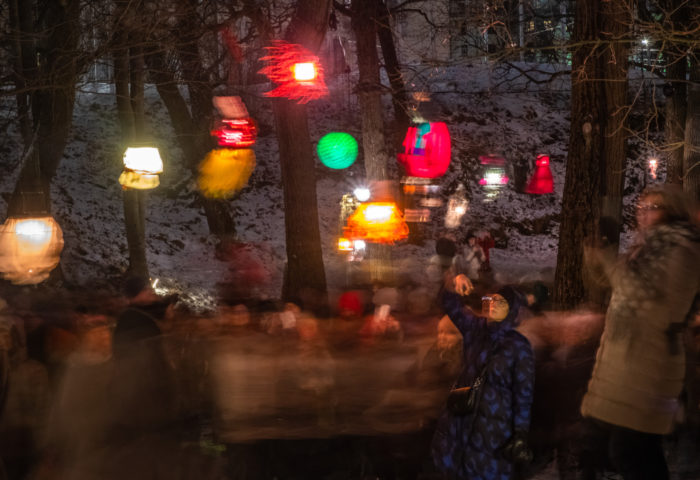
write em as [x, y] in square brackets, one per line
[144, 160]
[138, 181]
[345, 244]
[30, 248]
[225, 171]
[304, 72]
[378, 222]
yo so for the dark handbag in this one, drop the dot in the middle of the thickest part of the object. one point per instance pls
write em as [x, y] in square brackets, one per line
[463, 401]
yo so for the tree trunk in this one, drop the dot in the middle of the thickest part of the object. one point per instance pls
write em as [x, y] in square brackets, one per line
[24, 51]
[691, 157]
[305, 270]
[374, 144]
[580, 209]
[675, 57]
[393, 71]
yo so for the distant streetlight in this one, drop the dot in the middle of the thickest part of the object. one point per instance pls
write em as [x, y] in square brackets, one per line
[645, 41]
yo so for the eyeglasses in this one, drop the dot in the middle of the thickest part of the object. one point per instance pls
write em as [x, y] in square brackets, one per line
[649, 207]
[498, 301]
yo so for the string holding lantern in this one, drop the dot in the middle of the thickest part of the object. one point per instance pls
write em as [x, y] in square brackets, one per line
[30, 248]
[378, 222]
[296, 71]
[427, 150]
[141, 168]
[225, 171]
[542, 181]
[337, 150]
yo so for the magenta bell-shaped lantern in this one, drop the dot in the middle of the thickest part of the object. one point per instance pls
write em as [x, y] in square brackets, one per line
[541, 182]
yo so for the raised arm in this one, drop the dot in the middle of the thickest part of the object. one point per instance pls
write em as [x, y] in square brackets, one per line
[465, 321]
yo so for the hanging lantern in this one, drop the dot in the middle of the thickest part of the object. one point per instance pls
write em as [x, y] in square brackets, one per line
[296, 71]
[30, 248]
[379, 222]
[542, 181]
[337, 150]
[457, 206]
[345, 244]
[236, 133]
[427, 150]
[420, 195]
[224, 171]
[493, 171]
[141, 168]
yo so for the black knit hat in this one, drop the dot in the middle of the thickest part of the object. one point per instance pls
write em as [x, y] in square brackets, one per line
[510, 294]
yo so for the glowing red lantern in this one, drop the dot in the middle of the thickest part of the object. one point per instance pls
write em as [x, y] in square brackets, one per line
[427, 150]
[296, 71]
[541, 182]
[236, 133]
[379, 222]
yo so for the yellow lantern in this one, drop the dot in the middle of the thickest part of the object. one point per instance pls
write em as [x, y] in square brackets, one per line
[141, 168]
[224, 171]
[379, 222]
[30, 247]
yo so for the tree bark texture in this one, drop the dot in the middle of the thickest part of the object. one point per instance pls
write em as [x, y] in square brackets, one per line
[305, 270]
[580, 205]
[393, 71]
[691, 155]
[615, 25]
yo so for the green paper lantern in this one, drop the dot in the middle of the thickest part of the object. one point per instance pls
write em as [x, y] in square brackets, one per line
[337, 150]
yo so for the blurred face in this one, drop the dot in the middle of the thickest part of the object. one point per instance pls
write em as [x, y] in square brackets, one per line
[494, 307]
[447, 335]
[650, 211]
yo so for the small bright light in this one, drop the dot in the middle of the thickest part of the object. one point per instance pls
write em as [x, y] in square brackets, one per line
[359, 244]
[378, 213]
[362, 194]
[33, 231]
[493, 178]
[304, 72]
[460, 210]
[653, 164]
[143, 159]
[345, 244]
[645, 41]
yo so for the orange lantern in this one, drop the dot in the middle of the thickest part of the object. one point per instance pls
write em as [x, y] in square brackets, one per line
[379, 222]
[30, 247]
[224, 171]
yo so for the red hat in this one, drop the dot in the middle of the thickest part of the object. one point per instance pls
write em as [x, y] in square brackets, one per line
[350, 301]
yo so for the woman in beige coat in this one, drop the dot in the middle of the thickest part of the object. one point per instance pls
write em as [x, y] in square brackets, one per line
[632, 397]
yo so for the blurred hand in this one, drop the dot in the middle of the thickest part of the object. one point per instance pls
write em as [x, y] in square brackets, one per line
[462, 284]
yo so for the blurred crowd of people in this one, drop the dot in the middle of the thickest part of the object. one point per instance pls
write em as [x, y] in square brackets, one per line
[138, 386]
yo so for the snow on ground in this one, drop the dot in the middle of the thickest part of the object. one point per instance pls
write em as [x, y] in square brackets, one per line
[487, 110]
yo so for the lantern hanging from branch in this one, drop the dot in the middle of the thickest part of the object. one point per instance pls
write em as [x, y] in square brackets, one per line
[542, 181]
[653, 167]
[337, 150]
[224, 171]
[296, 71]
[30, 248]
[141, 168]
[493, 171]
[235, 132]
[457, 206]
[378, 222]
[427, 150]
[420, 195]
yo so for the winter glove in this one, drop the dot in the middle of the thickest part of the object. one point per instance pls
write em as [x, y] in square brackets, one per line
[517, 450]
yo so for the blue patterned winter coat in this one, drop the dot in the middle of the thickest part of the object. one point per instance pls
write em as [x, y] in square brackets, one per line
[469, 447]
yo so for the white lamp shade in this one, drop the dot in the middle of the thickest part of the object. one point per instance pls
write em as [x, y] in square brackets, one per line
[143, 160]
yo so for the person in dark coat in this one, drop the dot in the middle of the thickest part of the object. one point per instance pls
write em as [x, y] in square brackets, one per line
[485, 444]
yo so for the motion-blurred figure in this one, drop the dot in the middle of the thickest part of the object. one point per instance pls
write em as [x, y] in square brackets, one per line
[487, 442]
[632, 397]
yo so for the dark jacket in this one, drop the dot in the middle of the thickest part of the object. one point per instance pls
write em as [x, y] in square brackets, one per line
[469, 447]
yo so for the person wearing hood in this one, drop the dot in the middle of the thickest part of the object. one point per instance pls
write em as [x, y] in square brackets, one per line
[638, 376]
[486, 443]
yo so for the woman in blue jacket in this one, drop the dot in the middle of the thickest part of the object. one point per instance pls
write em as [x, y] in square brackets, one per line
[485, 444]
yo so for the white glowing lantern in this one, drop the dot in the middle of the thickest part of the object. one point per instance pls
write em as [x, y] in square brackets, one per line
[30, 248]
[141, 168]
[304, 72]
[653, 165]
[379, 213]
[362, 194]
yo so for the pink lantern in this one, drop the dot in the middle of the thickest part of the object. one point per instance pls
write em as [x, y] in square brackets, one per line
[541, 182]
[493, 171]
[427, 150]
